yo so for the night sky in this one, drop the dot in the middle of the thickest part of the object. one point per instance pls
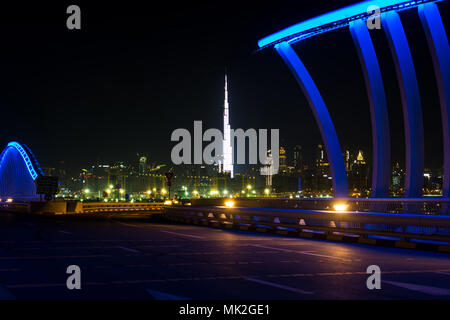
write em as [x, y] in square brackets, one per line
[135, 72]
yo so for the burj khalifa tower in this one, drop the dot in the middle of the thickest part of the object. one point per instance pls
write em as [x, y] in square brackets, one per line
[227, 147]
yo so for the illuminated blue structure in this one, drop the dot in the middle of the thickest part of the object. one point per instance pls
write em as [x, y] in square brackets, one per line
[332, 146]
[18, 171]
[440, 53]
[381, 143]
[355, 17]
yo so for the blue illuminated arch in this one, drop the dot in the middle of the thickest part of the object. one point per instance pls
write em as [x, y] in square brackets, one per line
[355, 16]
[440, 53]
[25, 158]
[336, 19]
[378, 109]
[323, 119]
[412, 107]
[18, 171]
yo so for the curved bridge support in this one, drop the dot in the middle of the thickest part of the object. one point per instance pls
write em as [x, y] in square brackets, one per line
[440, 53]
[322, 117]
[412, 110]
[381, 144]
[18, 172]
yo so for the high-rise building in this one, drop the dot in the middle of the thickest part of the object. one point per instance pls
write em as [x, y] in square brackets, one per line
[298, 159]
[359, 177]
[227, 161]
[142, 164]
[282, 157]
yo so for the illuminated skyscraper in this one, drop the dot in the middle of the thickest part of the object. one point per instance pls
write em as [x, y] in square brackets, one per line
[227, 166]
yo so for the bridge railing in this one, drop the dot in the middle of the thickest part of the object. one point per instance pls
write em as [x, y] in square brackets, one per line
[429, 206]
[90, 207]
[404, 226]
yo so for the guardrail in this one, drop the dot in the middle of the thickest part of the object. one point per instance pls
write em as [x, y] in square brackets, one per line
[306, 222]
[90, 207]
[77, 207]
[433, 206]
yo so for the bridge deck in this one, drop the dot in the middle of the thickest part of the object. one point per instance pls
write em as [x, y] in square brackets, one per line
[151, 260]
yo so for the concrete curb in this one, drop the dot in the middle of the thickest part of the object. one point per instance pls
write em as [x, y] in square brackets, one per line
[401, 244]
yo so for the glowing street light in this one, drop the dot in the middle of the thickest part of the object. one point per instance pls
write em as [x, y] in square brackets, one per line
[122, 191]
[229, 203]
[340, 206]
[163, 191]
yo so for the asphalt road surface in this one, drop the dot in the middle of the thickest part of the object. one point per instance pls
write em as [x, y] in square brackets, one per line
[153, 260]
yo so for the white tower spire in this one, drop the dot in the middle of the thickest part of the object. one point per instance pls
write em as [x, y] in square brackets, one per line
[227, 149]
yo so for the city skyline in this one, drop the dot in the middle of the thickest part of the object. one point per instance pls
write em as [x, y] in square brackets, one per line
[225, 156]
[112, 123]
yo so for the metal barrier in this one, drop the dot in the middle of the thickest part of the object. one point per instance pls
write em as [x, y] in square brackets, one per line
[89, 207]
[74, 207]
[404, 226]
[430, 206]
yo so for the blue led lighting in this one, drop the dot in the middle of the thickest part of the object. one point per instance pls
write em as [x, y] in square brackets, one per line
[336, 19]
[25, 158]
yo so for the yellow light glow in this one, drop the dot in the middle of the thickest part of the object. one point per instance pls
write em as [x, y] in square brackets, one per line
[229, 204]
[163, 191]
[266, 191]
[108, 191]
[340, 206]
[9, 200]
[86, 190]
[121, 191]
[149, 192]
[111, 186]
[249, 187]
[168, 202]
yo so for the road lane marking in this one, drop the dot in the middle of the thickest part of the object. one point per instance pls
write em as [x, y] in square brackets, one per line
[302, 252]
[165, 231]
[420, 288]
[279, 286]
[225, 277]
[182, 234]
[56, 257]
[158, 295]
[65, 232]
[128, 249]
[10, 270]
[444, 273]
